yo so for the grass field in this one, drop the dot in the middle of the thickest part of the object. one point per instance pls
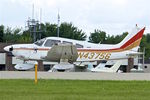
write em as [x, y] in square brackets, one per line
[74, 90]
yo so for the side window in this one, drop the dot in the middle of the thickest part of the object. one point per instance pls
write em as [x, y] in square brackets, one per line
[50, 43]
[79, 46]
[66, 42]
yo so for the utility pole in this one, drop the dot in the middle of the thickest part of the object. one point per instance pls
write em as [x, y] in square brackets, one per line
[32, 25]
[143, 56]
[58, 24]
[40, 24]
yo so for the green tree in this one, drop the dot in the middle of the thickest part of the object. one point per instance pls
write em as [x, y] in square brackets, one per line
[1, 33]
[25, 37]
[8, 36]
[12, 35]
[67, 30]
[110, 39]
[119, 38]
[49, 30]
[115, 39]
[148, 38]
[145, 44]
[97, 36]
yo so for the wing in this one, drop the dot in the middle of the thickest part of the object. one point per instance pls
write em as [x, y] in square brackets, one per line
[62, 52]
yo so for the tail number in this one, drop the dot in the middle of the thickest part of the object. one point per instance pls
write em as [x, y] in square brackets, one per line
[93, 55]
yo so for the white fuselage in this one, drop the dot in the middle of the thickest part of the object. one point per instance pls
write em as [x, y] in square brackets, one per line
[86, 51]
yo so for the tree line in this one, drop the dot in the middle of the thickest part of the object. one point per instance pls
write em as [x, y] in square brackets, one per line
[66, 30]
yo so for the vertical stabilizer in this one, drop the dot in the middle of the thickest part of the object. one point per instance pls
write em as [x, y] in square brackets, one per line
[132, 40]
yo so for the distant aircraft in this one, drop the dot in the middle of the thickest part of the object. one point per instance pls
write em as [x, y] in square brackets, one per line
[56, 49]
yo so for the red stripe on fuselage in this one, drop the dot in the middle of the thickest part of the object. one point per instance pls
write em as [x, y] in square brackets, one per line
[128, 43]
[133, 39]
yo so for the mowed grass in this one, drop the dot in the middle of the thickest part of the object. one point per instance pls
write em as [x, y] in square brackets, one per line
[74, 90]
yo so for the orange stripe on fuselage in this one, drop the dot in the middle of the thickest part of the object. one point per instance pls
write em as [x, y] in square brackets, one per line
[133, 39]
[135, 44]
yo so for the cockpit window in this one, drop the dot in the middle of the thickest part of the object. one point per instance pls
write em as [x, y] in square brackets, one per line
[79, 46]
[40, 42]
[50, 43]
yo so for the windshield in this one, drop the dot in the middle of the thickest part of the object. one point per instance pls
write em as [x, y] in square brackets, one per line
[50, 43]
[40, 42]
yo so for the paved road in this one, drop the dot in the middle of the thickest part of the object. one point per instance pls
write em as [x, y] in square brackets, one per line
[74, 75]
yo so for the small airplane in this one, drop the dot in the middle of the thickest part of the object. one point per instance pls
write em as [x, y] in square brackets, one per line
[56, 49]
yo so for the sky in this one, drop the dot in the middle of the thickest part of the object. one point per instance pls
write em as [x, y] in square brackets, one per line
[112, 16]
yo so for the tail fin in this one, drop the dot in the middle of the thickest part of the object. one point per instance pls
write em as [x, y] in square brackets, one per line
[132, 40]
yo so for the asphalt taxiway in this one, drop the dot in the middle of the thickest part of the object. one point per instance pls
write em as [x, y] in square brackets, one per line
[74, 75]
